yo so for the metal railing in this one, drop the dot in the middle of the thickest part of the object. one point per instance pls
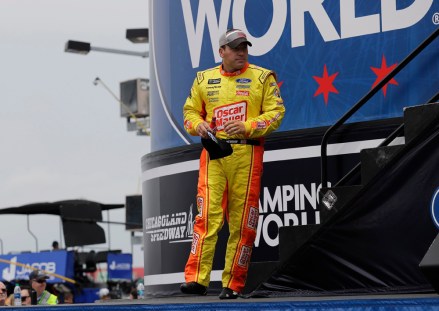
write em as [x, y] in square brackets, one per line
[362, 101]
[399, 131]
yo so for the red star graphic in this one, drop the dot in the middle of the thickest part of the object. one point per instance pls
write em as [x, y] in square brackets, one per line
[382, 72]
[325, 84]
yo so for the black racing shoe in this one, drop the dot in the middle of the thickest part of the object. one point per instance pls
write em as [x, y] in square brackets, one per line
[227, 293]
[193, 288]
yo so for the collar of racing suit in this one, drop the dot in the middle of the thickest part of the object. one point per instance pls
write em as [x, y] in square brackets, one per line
[235, 73]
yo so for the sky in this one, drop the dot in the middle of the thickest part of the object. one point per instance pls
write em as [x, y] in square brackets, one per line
[61, 136]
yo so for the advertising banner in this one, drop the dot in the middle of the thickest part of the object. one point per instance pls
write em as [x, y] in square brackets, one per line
[327, 56]
[289, 197]
[120, 266]
[58, 262]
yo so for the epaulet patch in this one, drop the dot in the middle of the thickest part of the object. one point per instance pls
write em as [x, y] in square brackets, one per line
[200, 76]
[265, 75]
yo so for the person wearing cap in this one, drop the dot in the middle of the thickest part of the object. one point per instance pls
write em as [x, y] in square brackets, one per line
[232, 107]
[38, 282]
[104, 294]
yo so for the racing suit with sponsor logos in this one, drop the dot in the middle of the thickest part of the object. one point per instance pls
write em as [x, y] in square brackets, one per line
[229, 187]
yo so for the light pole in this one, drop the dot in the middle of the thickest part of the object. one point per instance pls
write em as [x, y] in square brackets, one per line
[139, 35]
[136, 107]
[80, 47]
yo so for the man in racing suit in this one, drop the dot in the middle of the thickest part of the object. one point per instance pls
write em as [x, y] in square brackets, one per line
[240, 103]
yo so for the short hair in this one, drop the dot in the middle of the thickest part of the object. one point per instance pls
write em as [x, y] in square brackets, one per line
[134, 293]
[68, 294]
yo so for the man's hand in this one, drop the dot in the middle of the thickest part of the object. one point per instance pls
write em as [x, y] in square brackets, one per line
[234, 127]
[203, 128]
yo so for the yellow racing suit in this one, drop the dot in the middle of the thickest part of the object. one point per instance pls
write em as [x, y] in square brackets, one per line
[229, 187]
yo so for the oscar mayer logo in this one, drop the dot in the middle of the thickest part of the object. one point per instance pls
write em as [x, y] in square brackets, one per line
[388, 16]
[235, 111]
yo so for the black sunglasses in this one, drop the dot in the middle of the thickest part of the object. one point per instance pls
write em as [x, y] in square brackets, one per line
[2, 290]
[40, 281]
[23, 298]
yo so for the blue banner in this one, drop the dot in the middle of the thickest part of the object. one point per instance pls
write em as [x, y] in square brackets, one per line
[58, 262]
[327, 56]
[120, 266]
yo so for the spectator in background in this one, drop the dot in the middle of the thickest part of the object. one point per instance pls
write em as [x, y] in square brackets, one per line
[104, 294]
[68, 298]
[55, 246]
[37, 280]
[25, 297]
[3, 294]
[133, 294]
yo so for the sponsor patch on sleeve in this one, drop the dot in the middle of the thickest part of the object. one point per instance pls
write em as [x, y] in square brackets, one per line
[188, 124]
[275, 118]
[260, 125]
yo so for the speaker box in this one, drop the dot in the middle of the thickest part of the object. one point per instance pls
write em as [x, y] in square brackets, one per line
[134, 94]
[79, 224]
[430, 264]
[133, 212]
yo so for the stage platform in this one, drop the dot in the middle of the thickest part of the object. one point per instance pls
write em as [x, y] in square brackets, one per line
[208, 303]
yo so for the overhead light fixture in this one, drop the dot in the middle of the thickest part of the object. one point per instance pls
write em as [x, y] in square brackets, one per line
[85, 47]
[138, 35]
[77, 47]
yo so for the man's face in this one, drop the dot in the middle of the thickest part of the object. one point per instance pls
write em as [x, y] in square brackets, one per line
[234, 59]
[39, 285]
[68, 298]
[25, 297]
[3, 294]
